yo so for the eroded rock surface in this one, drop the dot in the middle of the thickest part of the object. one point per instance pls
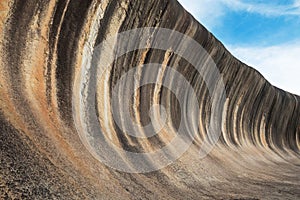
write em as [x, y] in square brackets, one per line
[43, 48]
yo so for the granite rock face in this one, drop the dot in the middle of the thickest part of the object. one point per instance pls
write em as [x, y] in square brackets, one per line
[45, 152]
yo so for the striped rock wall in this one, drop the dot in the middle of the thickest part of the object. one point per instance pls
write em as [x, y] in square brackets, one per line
[58, 111]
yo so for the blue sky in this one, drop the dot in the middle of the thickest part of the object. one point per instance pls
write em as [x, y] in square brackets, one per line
[264, 34]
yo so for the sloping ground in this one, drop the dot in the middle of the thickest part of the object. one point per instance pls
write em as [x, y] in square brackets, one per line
[242, 133]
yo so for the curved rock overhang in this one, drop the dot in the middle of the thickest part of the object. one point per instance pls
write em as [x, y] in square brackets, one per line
[46, 151]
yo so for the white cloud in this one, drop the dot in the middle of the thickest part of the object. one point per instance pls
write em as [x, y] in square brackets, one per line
[210, 12]
[280, 65]
[263, 8]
